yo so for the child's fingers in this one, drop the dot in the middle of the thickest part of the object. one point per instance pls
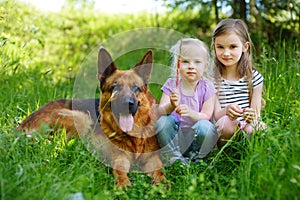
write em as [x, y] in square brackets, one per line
[237, 109]
[183, 110]
[249, 115]
[175, 97]
[233, 111]
[248, 119]
[233, 114]
[174, 100]
[176, 91]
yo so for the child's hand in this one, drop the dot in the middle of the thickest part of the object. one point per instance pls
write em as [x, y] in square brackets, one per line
[183, 110]
[249, 114]
[233, 111]
[175, 98]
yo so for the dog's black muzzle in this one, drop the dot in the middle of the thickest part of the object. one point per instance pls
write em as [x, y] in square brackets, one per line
[126, 106]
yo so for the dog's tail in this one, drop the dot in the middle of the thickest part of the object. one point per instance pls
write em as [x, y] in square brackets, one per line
[57, 114]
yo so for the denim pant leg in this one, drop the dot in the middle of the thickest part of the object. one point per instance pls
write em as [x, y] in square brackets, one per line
[167, 128]
[186, 140]
[206, 137]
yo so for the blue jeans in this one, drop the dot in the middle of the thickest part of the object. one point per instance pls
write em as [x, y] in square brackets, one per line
[176, 143]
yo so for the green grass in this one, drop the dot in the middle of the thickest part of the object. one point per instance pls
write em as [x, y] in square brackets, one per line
[266, 167]
[34, 70]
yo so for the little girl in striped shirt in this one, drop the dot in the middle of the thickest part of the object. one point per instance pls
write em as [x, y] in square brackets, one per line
[239, 85]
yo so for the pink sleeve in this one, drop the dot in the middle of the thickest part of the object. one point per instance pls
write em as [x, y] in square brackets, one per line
[169, 86]
[209, 90]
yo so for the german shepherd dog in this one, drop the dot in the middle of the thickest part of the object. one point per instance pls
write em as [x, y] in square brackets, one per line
[127, 112]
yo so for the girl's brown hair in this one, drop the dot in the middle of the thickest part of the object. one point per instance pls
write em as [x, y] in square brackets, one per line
[245, 65]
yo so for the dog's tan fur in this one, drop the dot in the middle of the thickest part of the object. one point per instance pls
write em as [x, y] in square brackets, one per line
[138, 145]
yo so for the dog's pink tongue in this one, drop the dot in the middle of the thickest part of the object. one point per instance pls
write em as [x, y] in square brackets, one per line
[126, 122]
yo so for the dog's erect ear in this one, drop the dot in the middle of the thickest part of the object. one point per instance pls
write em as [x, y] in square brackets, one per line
[144, 67]
[106, 66]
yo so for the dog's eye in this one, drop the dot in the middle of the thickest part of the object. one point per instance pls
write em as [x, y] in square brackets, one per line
[136, 89]
[115, 87]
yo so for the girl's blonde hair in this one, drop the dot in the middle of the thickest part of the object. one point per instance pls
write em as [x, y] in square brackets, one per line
[245, 65]
[177, 51]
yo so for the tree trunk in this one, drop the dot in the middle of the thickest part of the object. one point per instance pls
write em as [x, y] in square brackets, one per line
[215, 2]
[239, 9]
[243, 10]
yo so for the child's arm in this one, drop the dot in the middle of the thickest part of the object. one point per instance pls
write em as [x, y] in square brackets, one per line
[233, 111]
[205, 113]
[168, 103]
[253, 113]
[256, 99]
[218, 112]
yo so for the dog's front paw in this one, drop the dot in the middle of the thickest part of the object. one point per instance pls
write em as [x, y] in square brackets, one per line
[122, 182]
[158, 177]
[162, 180]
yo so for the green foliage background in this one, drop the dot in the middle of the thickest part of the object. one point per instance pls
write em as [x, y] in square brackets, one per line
[40, 54]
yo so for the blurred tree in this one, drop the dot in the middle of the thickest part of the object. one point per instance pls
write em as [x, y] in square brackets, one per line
[283, 16]
[239, 8]
[264, 17]
[212, 5]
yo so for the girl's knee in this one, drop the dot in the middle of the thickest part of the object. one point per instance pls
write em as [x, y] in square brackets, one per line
[225, 126]
[166, 129]
[226, 133]
[206, 137]
[165, 122]
[204, 127]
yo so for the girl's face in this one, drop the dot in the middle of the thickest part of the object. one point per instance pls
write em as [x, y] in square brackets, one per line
[193, 62]
[229, 49]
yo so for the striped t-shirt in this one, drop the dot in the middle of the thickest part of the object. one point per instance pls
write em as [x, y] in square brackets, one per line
[237, 91]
